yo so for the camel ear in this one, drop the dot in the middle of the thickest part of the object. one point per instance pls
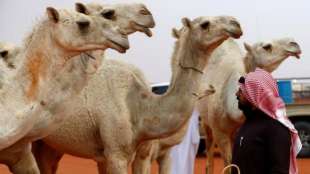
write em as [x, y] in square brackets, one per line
[175, 33]
[81, 8]
[187, 22]
[247, 47]
[4, 53]
[52, 14]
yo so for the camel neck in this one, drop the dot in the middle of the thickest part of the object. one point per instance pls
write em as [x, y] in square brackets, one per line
[42, 58]
[171, 110]
[249, 63]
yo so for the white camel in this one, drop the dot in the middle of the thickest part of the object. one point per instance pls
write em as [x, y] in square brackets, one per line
[220, 111]
[47, 77]
[117, 111]
[40, 70]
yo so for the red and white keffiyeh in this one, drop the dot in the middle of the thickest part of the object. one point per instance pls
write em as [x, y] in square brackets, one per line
[261, 90]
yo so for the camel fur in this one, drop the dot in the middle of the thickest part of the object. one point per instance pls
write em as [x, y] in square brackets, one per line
[117, 111]
[220, 111]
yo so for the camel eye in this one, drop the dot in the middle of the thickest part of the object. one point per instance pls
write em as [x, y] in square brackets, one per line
[108, 14]
[4, 53]
[205, 25]
[268, 47]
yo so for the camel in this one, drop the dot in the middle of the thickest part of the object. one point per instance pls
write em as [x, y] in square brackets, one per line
[48, 67]
[220, 111]
[34, 80]
[117, 111]
[18, 156]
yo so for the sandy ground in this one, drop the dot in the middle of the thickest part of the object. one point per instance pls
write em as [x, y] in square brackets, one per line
[74, 165]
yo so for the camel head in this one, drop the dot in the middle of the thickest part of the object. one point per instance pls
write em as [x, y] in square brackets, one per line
[204, 34]
[210, 32]
[78, 32]
[8, 54]
[129, 17]
[269, 55]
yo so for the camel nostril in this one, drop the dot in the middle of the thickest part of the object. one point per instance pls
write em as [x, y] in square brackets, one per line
[294, 44]
[83, 24]
[294, 48]
[122, 32]
[235, 23]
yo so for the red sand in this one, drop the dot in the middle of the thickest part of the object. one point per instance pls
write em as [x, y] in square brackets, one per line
[74, 165]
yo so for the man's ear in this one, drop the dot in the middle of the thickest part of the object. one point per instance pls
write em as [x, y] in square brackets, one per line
[52, 14]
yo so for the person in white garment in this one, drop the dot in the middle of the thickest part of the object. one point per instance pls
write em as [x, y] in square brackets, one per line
[183, 155]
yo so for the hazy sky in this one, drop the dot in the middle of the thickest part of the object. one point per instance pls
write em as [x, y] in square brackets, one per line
[260, 19]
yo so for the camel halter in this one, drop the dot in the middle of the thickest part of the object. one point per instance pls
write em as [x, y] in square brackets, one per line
[191, 68]
[230, 166]
[199, 96]
[89, 55]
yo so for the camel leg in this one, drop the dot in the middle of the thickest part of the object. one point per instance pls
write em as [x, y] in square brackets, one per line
[226, 148]
[142, 165]
[47, 158]
[116, 164]
[26, 163]
[164, 162]
[143, 159]
[101, 168]
[210, 146]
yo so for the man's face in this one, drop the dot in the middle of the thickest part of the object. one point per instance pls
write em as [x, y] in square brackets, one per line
[243, 103]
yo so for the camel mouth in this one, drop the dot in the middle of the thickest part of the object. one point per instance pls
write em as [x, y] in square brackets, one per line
[143, 28]
[117, 46]
[295, 54]
[234, 34]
